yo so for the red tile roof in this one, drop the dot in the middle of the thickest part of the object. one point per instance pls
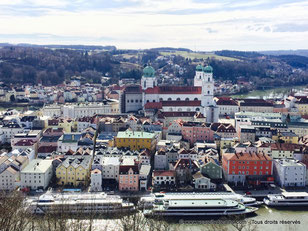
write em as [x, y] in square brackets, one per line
[181, 103]
[153, 105]
[163, 173]
[174, 90]
[185, 163]
[47, 149]
[176, 114]
[125, 168]
[24, 143]
[246, 156]
[226, 101]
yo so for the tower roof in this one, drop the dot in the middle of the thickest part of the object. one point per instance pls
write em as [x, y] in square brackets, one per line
[148, 71]
[208, 69]
[199, 68]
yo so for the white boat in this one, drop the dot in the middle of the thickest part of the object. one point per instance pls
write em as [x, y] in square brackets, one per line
[287, 199]
[148, 201]
[202, 207]
[99, 203]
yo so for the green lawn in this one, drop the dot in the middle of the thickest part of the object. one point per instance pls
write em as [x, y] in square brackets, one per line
[198, 55]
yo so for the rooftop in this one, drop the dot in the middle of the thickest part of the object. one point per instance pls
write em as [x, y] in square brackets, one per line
[135, 135]
[37, 166]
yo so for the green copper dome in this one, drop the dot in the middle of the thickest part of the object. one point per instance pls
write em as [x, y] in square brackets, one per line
[148, 71]
[208, 69]
[199, 68]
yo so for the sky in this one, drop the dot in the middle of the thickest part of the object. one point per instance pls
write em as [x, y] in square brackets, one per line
[201, 25]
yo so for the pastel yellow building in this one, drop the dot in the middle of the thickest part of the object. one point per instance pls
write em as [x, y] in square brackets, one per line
[287, 137]
[135, 140]
[67, 125]
[74, 171]
[302, 105]
[226, 143]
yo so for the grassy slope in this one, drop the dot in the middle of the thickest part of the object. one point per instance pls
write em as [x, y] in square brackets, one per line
[193, 55]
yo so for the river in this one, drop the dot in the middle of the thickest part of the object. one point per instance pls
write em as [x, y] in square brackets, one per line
[280, 92]
[266, 219]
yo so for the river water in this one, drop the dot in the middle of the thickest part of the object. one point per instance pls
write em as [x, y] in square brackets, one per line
[266, 219]
[280, 92]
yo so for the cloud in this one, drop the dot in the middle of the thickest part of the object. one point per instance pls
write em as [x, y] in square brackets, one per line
[204, 24]
[291, 27]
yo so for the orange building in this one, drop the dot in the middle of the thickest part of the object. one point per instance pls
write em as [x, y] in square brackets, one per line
[252, 168]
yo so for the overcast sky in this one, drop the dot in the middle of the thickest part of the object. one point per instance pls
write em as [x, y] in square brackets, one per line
[133, 24]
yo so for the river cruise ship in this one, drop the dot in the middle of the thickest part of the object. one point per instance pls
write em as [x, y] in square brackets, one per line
[192, 207]
[287, 199]
[148, 201]
[99, 203]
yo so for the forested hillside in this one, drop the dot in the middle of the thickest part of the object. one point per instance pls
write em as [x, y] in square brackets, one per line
[50, 66]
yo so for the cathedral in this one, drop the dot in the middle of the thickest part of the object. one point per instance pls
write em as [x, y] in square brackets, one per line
[197, 98]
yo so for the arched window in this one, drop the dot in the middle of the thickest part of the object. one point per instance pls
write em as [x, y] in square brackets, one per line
[180, 109]
[197, 109]
[145, 84]
[153, 100]
[195, 99]
[171, 109]
[187, 99]
[148, 101]
[188, 109]
[178, 99]
[209, 79]
[208, 92]
[169, 99]
[160, 99]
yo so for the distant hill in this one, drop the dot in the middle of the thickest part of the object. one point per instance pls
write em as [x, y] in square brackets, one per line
[166, 49]
[301, 52]
[238, 54]
[296, 61]
[74, 47]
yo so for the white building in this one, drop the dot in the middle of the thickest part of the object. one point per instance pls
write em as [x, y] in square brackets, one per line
[96, 180]
[29, 153]
[8, 179]
[10, 130]
[181, 98]
[69, 142]
[203, 183]
[36, 175]
[163, 178]
[110, 168]
[160, 160]
[144, 176]
[226, 106]
[290, 173]
[81, 110]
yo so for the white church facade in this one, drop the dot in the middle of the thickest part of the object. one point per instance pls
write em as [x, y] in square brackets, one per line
[197, 98]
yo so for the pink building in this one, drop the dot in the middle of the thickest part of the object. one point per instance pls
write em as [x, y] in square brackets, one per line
[197, 131]
[129, 178]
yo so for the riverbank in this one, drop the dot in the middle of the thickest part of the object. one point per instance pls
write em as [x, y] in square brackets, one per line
[20, 106]
[280, 92]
